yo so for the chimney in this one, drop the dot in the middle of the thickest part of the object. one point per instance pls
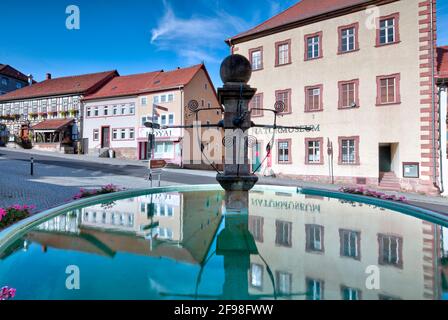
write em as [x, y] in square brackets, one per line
[48, 77]
[30, 79]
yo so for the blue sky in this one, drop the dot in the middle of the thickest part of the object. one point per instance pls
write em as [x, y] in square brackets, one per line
[132, 36]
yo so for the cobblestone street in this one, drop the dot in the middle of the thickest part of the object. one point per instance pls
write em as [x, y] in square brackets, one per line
[53, 185]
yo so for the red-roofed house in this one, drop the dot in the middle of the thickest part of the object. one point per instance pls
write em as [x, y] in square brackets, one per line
[116, 114]
[11, 79]
[58, 98]
[360, 72]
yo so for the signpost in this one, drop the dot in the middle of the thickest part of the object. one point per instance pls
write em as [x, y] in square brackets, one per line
[155, 166]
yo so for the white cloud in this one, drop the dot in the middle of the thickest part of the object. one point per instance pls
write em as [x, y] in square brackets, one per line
[197, 38]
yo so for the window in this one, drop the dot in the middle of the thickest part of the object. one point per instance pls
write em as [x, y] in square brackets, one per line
[144, 101]
[391, 250]
[96, 112]
[285, 97]
[132, 109]
[283, 53]
[256, 276]
[114, 134]
[131, 134]
[96, 134]
[388, 89]
[350, 242]
[106, 110]
[171, 119]
[314, 238]
[156, 99]
[123, 134]
[349, 151]
[256, 227]
[313, 98]
[5, 81]
[163, 120]
[284, 152]
[283, 232]
[348, 38]
[284, 283]
[256, 103]
[123, 109]
[164, 150]
[256, 58]
[314, 151]
[115, 110]
[170, 97]
[350, 293]
[348, 94]
[313, 46]
[163, 98]
[387, 30]
[314, 289]
[18, 85]
[88, 112]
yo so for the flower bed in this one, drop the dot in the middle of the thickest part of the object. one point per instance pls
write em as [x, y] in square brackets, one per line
[83, 193]
[12, 214]
[7, 293]
[371, 193]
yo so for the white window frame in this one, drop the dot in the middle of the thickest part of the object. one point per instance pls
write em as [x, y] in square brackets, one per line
[256, 60]
[347, 35]
[388, 29]
[313, 43]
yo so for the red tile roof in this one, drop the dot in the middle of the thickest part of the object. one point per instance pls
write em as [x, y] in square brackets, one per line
[9, 71]
[82, 84]
[146, 82]
[299, 13]
[52, 124]
[442, 62]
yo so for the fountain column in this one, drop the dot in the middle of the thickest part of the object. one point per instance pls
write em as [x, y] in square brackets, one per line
[235, 96]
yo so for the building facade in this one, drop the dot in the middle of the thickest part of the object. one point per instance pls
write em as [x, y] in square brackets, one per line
[361, 77]
[442, 83]
[11, 79]
[126, 133]
[46, 101]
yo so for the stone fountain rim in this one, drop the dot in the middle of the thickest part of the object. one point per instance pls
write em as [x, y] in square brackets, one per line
[15, 232]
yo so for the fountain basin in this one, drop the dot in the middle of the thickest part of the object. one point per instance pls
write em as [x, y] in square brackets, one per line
[185, 243]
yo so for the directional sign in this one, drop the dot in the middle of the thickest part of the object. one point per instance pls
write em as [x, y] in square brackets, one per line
[160, 107]
[151, 125]
[157, 164]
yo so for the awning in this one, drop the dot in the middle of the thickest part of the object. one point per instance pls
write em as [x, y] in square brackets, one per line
[53, 124]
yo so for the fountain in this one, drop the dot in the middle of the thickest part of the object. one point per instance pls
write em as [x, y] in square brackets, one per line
[239, 241]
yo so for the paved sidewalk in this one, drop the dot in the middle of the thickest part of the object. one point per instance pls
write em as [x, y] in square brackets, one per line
[439, 204]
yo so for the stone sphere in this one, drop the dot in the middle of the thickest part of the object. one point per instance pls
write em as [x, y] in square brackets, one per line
[236, 68]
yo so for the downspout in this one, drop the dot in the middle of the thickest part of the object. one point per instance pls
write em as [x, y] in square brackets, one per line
[442, 131]
[181, 88]
[442, 189]
[433, 98]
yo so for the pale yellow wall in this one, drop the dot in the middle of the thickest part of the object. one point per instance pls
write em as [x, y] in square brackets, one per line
[196, 90]
[386, 124]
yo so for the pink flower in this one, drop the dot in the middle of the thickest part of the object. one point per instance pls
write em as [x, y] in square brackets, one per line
[7, 293]
[2, 213]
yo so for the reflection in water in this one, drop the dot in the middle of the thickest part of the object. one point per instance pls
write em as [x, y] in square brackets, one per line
[216, 245]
